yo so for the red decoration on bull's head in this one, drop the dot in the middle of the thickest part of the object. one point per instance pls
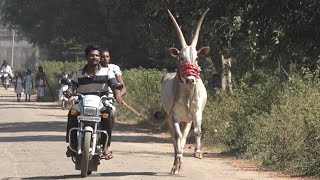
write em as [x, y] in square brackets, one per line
[188, 69]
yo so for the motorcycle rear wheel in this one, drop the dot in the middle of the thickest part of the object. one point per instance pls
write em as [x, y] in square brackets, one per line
[85, 154]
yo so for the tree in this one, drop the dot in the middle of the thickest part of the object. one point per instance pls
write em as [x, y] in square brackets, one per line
[254, 33]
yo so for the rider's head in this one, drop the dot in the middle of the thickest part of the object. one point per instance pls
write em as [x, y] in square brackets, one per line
[40, 68]
[65, 75]
[92, 55]
[28, 71]
[104, 57]
[4, 63]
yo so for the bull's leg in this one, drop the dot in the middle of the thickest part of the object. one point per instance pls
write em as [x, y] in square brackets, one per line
[198, 133]
[176, 137]
[178, 149]
[185, 128]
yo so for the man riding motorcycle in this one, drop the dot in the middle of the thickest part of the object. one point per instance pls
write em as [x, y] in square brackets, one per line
[5, 70]
[92, 79]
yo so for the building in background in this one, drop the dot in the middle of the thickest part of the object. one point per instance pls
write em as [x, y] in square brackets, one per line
[18, 52]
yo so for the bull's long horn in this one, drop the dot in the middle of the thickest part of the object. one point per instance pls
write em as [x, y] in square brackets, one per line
[196, 35]
[179, 32]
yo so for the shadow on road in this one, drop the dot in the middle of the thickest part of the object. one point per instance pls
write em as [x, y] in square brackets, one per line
[60, 126]
[122, 129]
[149, 152]
[7, 99]
[47, 126]
[123, 132]
[32, 138]
[139, 139]
[28, 105]
[52, 177]
[111, 174]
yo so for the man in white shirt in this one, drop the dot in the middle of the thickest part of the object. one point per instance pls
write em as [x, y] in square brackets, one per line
[5, 70]
[105, 63]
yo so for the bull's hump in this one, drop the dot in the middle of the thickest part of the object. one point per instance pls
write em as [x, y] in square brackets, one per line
[170, 75]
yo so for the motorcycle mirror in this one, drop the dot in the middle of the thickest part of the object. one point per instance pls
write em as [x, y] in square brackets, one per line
[66, 81]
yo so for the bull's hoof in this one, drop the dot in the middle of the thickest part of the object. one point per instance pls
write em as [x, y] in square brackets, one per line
[175, 169]
[198, 155]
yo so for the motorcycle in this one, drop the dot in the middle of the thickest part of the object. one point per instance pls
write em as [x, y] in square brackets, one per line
[90, 149]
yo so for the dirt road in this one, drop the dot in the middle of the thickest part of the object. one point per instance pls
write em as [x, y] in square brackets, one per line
[32, 147]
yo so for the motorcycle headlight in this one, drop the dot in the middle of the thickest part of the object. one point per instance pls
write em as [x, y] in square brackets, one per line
[89, 111]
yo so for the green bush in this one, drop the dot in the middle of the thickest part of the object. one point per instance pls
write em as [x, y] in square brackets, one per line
[275, 124]
[143, 92]
[54, 70]
[288, 137]
[227, 115]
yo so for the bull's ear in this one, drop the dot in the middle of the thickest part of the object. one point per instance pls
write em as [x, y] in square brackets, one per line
[174, 52]
[203, 51]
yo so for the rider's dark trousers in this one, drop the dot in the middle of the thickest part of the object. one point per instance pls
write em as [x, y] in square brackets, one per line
[72, 122]
[106, 124]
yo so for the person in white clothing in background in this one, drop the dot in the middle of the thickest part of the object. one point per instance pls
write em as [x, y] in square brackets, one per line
[28, 85]
[105, 62]
[18, 86]
[41, 85]
[63, 88]
[62, 98]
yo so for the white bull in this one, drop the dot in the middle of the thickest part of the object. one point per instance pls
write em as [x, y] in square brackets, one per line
[184, 95]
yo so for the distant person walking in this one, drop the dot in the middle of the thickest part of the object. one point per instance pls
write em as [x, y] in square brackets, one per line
[41, 86]
[28, 82]
[40, 83]
[40, 73]
[18, 87]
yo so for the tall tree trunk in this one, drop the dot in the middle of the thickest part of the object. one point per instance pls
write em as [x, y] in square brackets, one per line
[222, 73]
[37, 55]
[226, 78]
[285, 67]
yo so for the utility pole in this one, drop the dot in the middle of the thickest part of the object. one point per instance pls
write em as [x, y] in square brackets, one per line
[37, 55]
[12, 49]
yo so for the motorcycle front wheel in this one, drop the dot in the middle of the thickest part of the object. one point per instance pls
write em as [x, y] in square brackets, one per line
[85, 154]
